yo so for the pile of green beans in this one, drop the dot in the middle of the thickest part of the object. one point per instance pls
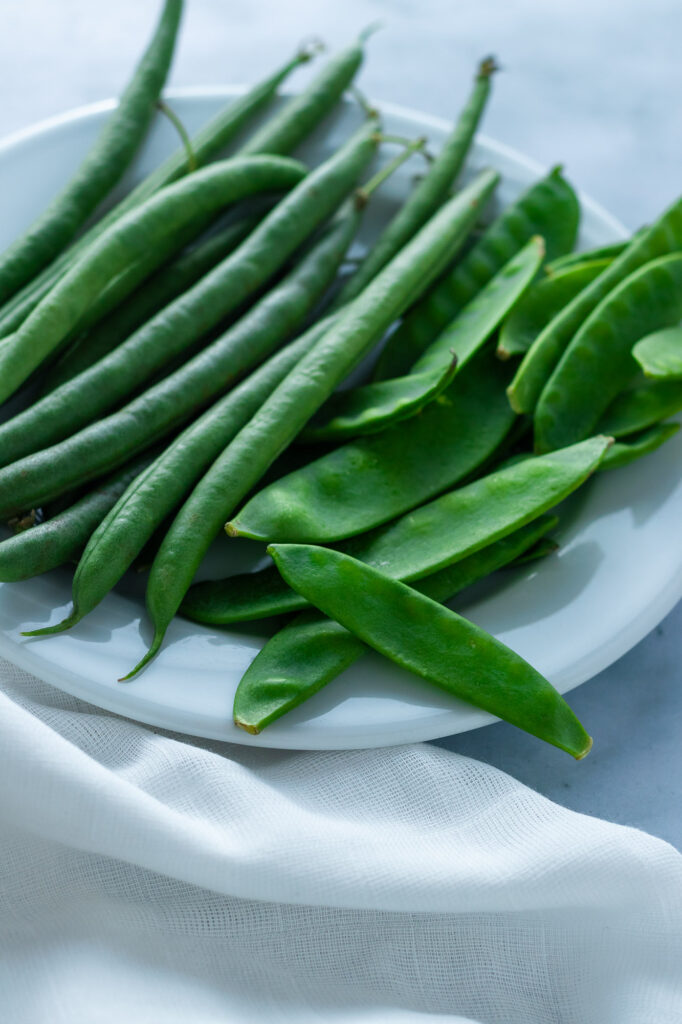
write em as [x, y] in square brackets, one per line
[457, 386]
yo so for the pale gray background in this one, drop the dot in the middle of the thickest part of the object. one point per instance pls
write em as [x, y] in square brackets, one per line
[593, 84]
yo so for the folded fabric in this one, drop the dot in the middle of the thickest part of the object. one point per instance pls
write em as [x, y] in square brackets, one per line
[153, 878]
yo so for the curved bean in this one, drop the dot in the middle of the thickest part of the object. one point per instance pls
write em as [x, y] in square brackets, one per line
[641, 407]
[660, 354]
[549, 208]
[626, 451]
[310, 651]
[433, 642]
[572, 260]
[598, 362]
[537, 366]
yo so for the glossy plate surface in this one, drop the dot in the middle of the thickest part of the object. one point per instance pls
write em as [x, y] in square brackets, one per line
[618, 573]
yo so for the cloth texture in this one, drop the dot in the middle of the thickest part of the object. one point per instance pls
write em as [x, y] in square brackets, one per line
[158, 879]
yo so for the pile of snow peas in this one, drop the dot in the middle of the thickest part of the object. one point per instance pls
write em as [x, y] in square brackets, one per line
[203, 361]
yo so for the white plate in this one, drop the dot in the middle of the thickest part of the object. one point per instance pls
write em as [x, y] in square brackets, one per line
[618, 573]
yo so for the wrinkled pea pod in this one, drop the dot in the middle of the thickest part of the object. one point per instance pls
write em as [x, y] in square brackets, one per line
[634, 447]
[430, 192]
[285, 413]
[431, 641]
[193, 200]
[108, 442]
[311, 650]
[549, 209]
[541, 303]
[427, 539]
[165, 337]
[660, 354]
[372, 480]
[537, 366]
[103, 166]
[641, 407]
[598, 362]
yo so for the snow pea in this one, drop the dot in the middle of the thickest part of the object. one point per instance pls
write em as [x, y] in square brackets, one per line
[549, 209]
[542, 302]
[432, 641]
[572, 260]
[372, 480]
[537, 366]
[311, 650]
[626, 451]
[660, 354]
[598, 362]
[641, 407]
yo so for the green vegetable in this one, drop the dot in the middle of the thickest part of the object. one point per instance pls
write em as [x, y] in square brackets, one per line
[625, 452]
[641, 407]
[660, 354]
[573, 260]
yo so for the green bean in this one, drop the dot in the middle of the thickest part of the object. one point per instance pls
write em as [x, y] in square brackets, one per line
[641, 407]
[598, 362]
[431, 191]
[549, 208]
[660, 354]
[206, 145]
[372, 480]
[435, 535]
[169, 282]
[626, 451]
[538, 364]
[62, 537]
[288, 409]
[311, 650]
[374, 407]
[433, 642]
[542, 302]
[545, 546]
[106, 443]
[193, 200]
[192, 314]
[572, 260]
[102, 167]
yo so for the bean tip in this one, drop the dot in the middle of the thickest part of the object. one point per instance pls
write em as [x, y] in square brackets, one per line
[253, 730]
[487, 67]
[231, 529]
[585, 750]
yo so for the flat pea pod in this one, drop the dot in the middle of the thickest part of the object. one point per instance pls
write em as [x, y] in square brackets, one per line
[103, 166]
[549, 209]
[572, 260]
[372, 480]
[62, 537]
[541, 303]
[193, 200]
[476, 322]
[537, 366]
[624, 452]
[430, 192]
[166, 336]
[374, 407]
[311, 650]
[205, 146]
[285, 413]
[641, 407]
[160, 289]
[660, 354]
[598, 362]
[433, 642]
[108, 442]
[437, 534]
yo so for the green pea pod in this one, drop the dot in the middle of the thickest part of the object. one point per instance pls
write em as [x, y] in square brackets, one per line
[433, 642]
[660, 354]
[311, 650]
[430, 192]
[435, 535]
[545, 546]
[62, 537]
[372, 480]
[103, 166]
[542, 302]
[549, 208]
[625, 452]
[479, 318]
[572, 260]
[194, 200]
[374, 407]
[641, 407]
[205, 145]
[168, 334]
[537, 366]
[598, 362]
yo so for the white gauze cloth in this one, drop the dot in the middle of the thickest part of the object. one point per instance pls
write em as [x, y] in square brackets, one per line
[147, 879]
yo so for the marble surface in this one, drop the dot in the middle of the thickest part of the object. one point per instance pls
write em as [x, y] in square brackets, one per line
[590, 85]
